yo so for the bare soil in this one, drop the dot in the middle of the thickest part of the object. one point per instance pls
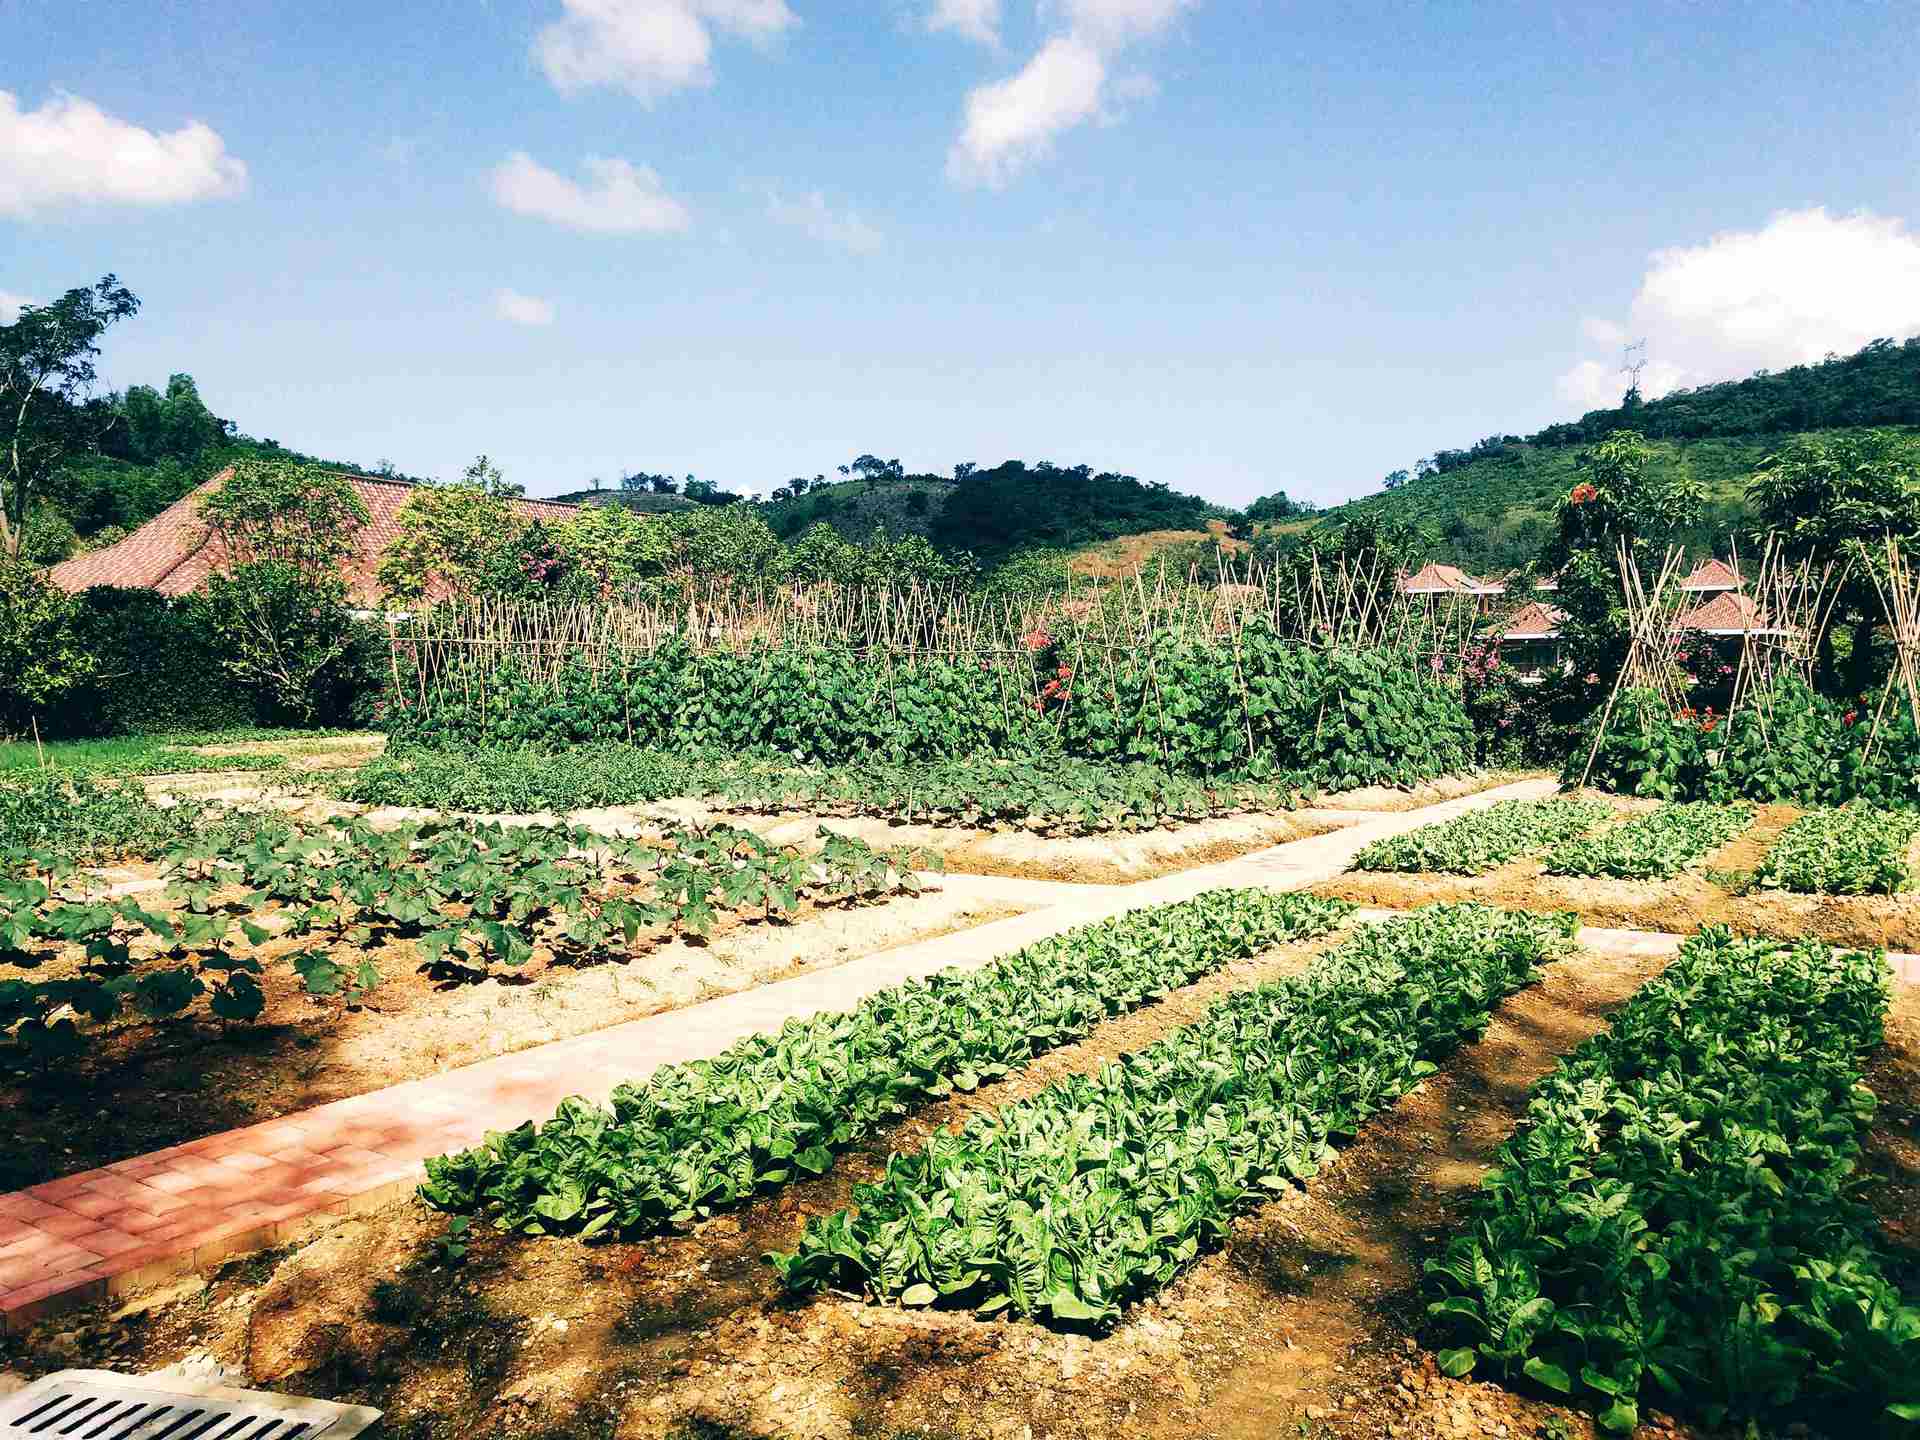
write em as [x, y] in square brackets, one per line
[1706, 894]
[1376, 799]
[1307, 1323]
[148, 1084]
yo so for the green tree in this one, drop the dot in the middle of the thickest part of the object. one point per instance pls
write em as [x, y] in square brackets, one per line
[284, 512]
[41, 655]
[281, 630]
[1622, 496]
[47, 412]
[1841, 496]
[450, 534]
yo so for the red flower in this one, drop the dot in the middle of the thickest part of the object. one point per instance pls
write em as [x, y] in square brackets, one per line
[1850, 717]
[1582, 493]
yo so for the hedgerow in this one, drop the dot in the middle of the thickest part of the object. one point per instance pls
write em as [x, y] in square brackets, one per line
[696, 1137]
[1677, 1216]
[1851, 851]
[1482, 840]
[1657, 845]
[1102, 1187]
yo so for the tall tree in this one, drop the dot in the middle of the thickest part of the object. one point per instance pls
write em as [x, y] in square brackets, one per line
[47, 409]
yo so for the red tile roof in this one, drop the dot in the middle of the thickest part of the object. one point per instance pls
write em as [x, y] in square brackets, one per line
[1534, 621]
[171, 553]
[1711, 574]
[1729, 613]
[1434, 578]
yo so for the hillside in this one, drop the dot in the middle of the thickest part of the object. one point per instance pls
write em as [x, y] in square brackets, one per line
[901, 505]
[1492, 505]
[644, 502]
[993, 513]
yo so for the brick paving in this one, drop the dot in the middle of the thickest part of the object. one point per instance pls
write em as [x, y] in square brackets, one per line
[130, 1224]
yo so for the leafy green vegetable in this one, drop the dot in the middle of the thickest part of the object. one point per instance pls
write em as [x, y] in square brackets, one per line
[1849, 851]
[699, 1136]
[1676, 1216]
[1657, 845]
[1102, 1187]
[1483, 840]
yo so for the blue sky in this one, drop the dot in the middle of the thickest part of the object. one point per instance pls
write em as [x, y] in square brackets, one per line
[1235, 247]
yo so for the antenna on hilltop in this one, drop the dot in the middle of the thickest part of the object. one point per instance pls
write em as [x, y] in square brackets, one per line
[1633, 359]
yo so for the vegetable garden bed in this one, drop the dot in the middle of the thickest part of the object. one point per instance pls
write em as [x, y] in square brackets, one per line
[1717, 888]
[1850, 851]
[1302, 1323]
[1483, 840]
[1678, 1218]
[300, 925]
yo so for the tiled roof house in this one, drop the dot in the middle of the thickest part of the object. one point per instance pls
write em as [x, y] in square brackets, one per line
[1712, 577]
[1433, 578]
[173, 553]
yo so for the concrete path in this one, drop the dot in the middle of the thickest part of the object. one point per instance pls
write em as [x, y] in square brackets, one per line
[130, 1224]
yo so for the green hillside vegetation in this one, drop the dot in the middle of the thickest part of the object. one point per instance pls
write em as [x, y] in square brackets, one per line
[1492, 505]
[856, 508]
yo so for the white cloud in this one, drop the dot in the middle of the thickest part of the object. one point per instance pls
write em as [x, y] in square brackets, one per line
[623, 198]
[1805, 284]
[71, 153]
[1012, 122]
[10, 304]
[812, 215]
[1603, 332]
[976, 19]
[649, 48]
[1113, 23]
[520, 309]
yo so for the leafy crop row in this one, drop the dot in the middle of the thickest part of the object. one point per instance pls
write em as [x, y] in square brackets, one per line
[1677, 1215]
[1483, 840]
[1850, 851]
[1257, 703]
[1657, 845]
[1055, 797]
[699, 1136]
[1102, 1187]
[468, 895]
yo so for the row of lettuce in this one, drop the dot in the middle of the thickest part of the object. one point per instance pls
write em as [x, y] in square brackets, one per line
[1677, 1220]
[1853, 850]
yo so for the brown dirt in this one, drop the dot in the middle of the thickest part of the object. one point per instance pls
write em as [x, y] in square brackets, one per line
[1680, 905]
[145, 1085]
[1129, 554]
[1307, 1323]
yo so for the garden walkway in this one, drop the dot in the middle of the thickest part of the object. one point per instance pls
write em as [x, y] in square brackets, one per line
[139, 1221]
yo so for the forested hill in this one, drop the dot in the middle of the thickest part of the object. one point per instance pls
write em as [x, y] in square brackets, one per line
[992, 513]
[1492, 504]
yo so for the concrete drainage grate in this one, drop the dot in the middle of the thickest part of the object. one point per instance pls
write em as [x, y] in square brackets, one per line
[100, 1405]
